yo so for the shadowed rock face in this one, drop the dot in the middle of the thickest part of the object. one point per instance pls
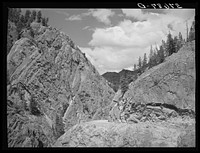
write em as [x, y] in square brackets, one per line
[172, 82]
[53, 85]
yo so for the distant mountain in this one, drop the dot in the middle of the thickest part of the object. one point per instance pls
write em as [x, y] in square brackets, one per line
[114, 78]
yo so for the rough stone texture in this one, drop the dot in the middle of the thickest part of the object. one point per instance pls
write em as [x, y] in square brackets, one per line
[53, 84]
[102, 133]
[171, 82]
[188, 137]
[12, 35]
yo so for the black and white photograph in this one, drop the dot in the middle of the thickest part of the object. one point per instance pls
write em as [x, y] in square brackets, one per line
[101, 77]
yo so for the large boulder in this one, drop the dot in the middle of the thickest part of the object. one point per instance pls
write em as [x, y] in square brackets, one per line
[171, 82]
[53, 84]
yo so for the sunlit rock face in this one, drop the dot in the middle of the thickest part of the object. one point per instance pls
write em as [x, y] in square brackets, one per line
[51, 87]
[171, 82]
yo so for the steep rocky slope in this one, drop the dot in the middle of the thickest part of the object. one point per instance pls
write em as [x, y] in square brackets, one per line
[51, 87]
[172, 82]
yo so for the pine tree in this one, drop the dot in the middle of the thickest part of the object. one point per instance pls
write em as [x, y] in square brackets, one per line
[154, 58]
[144, 63]
[27, 17]
[192, 32]
[14, 14]
[150, 56]
[170, 47]
[176, 44]
[135, 67]
[161, 56]
[39, 16]
[187, 37]
[46, 21]
[180, 41]
[43, 21]
[139, 62]
[33, 15]
[20, 25]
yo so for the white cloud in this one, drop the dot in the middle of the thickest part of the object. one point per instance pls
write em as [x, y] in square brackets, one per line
[74, 18]
[102, 15]
[62, 12]
[119, 46]
[139, 15]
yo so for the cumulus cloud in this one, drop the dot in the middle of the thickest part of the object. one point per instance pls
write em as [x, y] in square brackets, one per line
[74, 18]
[102, 15]
[118, 47]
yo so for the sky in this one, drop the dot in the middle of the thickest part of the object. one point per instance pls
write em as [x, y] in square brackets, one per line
[113, 39]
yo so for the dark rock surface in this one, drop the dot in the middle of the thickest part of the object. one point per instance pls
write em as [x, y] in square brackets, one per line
[114, 78]
[52, 86]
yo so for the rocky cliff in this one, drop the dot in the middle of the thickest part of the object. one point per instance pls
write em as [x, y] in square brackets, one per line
[51, 87]
[158, 110]
[171, 82]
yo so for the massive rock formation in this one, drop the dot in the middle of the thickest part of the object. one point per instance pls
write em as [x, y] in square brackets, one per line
[51, 87]
[149, 116]
[171, 82]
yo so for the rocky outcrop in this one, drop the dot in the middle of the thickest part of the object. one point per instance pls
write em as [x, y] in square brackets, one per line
[102, 133]
[171, 82]
[53, 84]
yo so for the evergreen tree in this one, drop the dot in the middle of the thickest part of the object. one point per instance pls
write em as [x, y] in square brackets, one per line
[161, 56]
[154, 58]
[192, 32]
[33, 15]
[43, 21]
[46, 21]
[180, 41]
[27, 17]
[14, 14]
[144, 63]
[170, 46]
[164, 46]
[139, 62]
[176, 44]
[187, 32]
[150, 56]
[135, 67]
[20, 25]
[39, 16]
